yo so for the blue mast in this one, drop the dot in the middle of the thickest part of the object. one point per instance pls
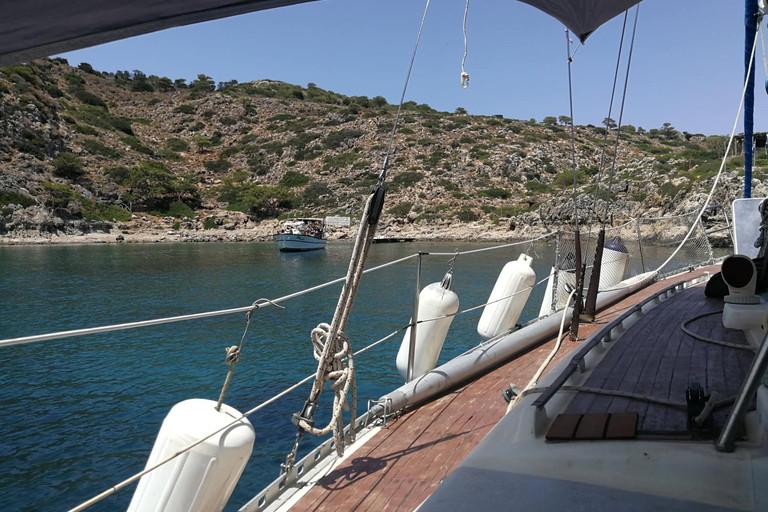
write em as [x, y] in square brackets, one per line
[750, 22]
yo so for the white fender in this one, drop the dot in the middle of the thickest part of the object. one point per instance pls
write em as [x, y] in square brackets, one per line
[435, 300]
[546, 302]
[508, 298]
[615, 258]
[203, 478]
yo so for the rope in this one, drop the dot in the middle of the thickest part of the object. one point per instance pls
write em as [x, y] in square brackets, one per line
[464, 74]
[234, 354]
[621, 116]
[605, 135]
[534, 380]
[762, 40]
[722, 164]
[383, 174]
[573, 130]
[699, 337]
[331, 346]
[632, 396]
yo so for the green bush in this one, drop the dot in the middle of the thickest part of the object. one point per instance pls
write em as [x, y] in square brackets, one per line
[24, 72]
[10, 197]
[565, 178]
[339, 161]
[230, 152]
[185, 108]
[136, 145]
[93, 210]
[95, 147]
[536, 187]
[89, 98]
[86, 130]
[175, 144]
[180, 209]
[406, 179]
[228, 121]
[466, 215]
[217, 165]
[210, 223]
[495, 193]
[314, 190]
[68, 165]
[292, 179]
[151, 181]
[264, 202]
[337, 138]
[167, 154]
[119, 175]
[401, 209]
[58, 195]
[100, 118]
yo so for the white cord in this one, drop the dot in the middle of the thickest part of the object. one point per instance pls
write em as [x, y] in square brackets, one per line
[549, 358]
[464, 74]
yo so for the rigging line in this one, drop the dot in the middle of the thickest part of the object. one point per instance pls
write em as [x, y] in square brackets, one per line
[605, 135]
[621, 117]
[574, 51]
[762, 40]
[573, 129]
[464, 74]
[383, 173]
[722, 163]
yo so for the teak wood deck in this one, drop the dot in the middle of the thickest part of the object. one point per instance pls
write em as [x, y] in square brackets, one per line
[656, 358]
[403, 464]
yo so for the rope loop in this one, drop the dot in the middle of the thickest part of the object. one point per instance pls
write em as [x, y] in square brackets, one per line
[464, 80]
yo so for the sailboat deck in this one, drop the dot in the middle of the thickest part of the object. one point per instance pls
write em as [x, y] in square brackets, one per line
[403, 464]
[655, 358]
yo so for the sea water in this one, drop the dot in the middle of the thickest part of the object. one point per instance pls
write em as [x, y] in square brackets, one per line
[79, 415]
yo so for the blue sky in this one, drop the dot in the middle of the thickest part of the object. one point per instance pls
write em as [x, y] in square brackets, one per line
[687, 67]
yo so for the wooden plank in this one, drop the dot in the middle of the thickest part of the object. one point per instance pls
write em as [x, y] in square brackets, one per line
[564, 427]
[592, 426]
[622, 425]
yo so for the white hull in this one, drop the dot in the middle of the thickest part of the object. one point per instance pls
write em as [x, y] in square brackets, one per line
[289, 242]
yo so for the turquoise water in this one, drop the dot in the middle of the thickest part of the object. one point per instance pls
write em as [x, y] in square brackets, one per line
[78, 415]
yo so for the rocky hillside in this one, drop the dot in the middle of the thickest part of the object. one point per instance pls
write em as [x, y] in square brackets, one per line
[85, 151]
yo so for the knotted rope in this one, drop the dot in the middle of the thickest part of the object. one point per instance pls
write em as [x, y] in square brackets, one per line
[331, 346]
[234, 352]
[342, 377]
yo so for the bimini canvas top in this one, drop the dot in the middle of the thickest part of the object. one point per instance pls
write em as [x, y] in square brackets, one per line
[582, 17]
[40, 28]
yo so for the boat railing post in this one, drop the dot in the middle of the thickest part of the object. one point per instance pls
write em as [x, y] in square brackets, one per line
[725, 442]
[640, 244]
[412, 345]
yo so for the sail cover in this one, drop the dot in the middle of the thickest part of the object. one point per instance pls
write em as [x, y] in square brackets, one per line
[582, 17]
[39, 28]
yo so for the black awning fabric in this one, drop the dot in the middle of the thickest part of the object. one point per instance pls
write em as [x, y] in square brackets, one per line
[582, 17]
[39, 28]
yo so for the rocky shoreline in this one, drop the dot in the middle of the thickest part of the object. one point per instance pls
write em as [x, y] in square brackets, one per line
[37, 226]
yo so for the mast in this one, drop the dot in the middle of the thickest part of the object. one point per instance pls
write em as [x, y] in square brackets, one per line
[750, 29]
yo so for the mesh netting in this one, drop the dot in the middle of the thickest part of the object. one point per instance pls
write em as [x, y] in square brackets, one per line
[630, 249]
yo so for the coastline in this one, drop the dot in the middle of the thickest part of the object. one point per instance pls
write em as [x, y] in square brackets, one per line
[262, 232]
